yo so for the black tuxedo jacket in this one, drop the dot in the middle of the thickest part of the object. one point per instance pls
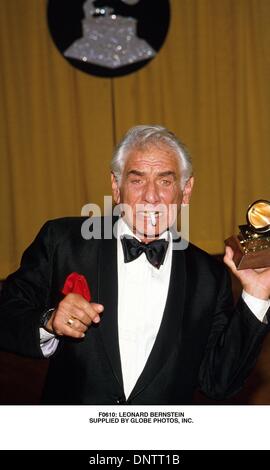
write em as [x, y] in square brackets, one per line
[202, 341]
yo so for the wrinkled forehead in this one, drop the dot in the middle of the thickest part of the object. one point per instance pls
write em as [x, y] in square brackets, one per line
[155, 156]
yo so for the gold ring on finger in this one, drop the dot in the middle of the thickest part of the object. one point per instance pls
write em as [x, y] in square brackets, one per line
[70, 321]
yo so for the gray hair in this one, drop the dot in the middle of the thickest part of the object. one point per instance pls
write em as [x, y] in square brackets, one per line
[141, 137]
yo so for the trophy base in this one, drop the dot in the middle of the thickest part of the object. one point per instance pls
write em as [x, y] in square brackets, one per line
[250, 259]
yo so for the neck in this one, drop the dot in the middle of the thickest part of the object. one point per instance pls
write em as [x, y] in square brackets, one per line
[144, 237]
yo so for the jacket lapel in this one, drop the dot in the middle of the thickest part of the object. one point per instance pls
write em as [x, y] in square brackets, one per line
[108, 296]
[170, 328]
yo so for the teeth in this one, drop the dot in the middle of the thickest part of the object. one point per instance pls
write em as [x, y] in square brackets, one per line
[151, 212]
[153, 216]
[153, 219]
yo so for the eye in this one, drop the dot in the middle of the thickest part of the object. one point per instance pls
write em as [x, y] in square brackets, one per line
[136, 181]
[166, 182]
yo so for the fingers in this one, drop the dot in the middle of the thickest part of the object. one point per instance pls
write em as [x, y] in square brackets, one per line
[75, 326]
[74, 315]
[76, 306]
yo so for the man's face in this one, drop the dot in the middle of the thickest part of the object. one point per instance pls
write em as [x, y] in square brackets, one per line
[150, 189]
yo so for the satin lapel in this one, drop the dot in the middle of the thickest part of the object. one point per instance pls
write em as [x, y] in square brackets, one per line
[108, 296]
[169, 331]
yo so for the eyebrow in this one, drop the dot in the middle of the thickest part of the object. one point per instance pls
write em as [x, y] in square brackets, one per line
[167, 173]
[142, 173]
[136, 172]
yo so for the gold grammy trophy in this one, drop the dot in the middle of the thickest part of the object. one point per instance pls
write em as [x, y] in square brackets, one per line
[252, 245]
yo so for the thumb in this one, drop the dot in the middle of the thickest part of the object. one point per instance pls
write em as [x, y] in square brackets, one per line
[228, 259]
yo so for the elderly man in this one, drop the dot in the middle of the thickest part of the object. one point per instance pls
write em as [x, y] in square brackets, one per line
[161, 322]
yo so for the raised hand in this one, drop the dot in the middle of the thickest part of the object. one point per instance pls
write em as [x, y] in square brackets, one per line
[255, 282]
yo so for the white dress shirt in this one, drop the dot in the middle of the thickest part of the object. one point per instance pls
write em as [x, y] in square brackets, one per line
[142, 294]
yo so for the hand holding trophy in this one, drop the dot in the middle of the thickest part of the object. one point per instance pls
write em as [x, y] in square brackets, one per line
[251, 246]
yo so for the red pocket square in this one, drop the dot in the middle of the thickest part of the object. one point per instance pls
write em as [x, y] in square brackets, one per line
[77, 284]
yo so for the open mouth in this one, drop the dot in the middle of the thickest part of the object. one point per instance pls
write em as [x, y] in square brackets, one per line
[151, 215]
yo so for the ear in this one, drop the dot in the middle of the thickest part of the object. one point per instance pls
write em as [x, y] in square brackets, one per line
[115, 189]
[187, 190]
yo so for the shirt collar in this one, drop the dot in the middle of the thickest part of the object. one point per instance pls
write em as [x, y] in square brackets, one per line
[124, 229]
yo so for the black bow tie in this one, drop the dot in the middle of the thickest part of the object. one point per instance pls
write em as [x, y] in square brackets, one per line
[155, 251]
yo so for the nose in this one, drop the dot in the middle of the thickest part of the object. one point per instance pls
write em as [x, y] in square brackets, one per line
[151, 194]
